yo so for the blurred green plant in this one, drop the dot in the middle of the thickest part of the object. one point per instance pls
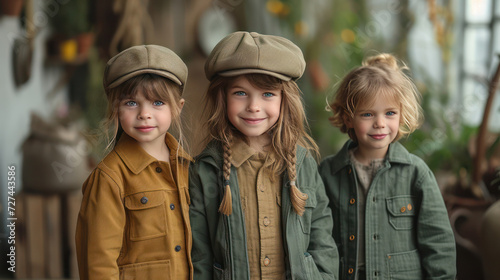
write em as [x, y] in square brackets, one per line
[72, 18]
[443, 140]
[96, 111]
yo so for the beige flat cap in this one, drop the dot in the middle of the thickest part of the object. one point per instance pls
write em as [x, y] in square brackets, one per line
[250, 52]
[143, 59]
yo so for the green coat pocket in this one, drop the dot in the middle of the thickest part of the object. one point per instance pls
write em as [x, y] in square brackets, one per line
[401, 211]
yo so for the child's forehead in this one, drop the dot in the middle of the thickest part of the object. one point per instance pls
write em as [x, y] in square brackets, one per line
[239, 81]
[389, 100]
[257, 81]
[139, 93]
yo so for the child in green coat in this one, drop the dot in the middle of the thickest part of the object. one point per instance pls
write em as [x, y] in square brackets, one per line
[258, 205]
[390, 221]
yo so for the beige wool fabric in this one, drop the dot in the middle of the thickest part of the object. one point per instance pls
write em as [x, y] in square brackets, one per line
[250, 52]
[144, 59]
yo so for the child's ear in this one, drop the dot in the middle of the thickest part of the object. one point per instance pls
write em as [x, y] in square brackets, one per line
[181, 103]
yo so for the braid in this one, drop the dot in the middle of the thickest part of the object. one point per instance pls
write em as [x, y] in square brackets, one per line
[226, 206]
[297, 197]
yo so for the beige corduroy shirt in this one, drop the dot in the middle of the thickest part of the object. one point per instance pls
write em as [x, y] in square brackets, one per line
[260, 194]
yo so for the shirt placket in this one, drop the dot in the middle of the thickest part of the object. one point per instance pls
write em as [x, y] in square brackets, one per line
[265, 197]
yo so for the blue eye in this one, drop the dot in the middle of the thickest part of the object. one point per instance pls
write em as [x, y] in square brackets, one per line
[240, 93]
[268, 94]
[130, 103]
[391, 113]
[158, 103]
[366, 115]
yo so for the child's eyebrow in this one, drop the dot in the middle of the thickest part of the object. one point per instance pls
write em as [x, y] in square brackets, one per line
[236, 87]
[363, 109]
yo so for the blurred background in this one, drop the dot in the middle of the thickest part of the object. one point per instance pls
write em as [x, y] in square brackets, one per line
[53, 54]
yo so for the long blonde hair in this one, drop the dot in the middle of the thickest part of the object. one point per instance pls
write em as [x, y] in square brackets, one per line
[289, 131]
[378, 75]
[153, 87]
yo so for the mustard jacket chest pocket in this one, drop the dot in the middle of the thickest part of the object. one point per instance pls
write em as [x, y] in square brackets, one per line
[402, 211]
[146, 215]
[305, 220]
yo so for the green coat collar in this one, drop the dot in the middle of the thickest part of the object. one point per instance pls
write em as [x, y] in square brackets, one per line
[396, 154]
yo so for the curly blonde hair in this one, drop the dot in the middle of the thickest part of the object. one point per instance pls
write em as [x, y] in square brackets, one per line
[153, 87]
[289, 131]
[379, 75]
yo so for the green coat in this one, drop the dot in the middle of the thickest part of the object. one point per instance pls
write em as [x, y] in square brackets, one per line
[219, 241]
[407, 231]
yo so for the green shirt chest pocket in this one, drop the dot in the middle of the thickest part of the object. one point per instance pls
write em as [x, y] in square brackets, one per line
[146, 215]
[402, 211]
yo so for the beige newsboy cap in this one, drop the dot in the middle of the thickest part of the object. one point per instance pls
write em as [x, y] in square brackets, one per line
[250, 52]
[144, 59]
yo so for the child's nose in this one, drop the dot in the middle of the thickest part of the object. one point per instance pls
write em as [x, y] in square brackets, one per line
[144, 114]
[380, 122]
[253, 106]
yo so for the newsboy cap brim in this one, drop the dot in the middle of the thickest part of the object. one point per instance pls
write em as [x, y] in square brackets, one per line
[250, 52]
[144, 59]
[162, 73]
[232, 73]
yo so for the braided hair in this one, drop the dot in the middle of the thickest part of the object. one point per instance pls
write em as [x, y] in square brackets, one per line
[289, 131]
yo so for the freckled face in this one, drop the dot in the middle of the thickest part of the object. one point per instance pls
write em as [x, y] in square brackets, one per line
[253, 111]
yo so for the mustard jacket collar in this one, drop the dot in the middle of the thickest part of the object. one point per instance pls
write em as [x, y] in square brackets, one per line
[136, 159]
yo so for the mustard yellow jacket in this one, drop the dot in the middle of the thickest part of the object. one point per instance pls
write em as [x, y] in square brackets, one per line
[134, 218]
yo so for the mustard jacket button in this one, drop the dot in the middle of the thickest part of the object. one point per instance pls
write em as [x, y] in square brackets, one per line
[172, 206]
[177, 248]
[144, 200]
[158, 169]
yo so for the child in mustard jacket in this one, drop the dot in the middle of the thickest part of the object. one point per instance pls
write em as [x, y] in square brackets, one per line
[134, 218]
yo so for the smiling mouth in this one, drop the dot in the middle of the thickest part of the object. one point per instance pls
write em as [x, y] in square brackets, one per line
[145, 128]
[252, 121]
[378, 136]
